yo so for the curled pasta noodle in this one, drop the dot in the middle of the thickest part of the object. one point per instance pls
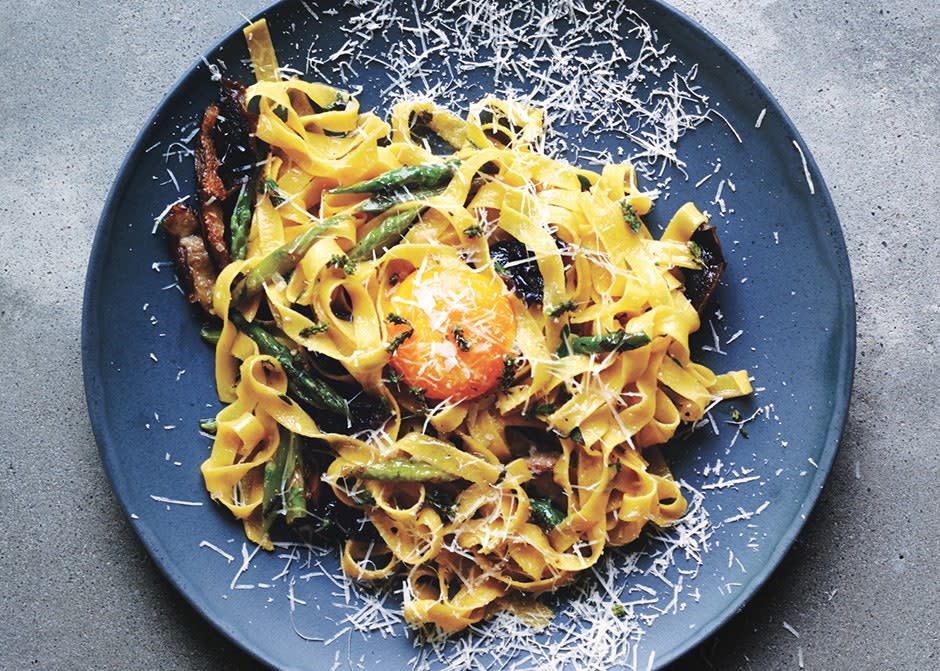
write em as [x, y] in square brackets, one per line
[554, 461]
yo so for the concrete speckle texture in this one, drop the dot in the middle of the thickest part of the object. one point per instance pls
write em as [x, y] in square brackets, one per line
[861, 81]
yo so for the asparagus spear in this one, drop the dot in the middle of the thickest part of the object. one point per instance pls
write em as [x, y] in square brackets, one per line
[546, 515]
[281, 261]
[385, 235]
[210, 334]
[241, 220]
[283, 490]
[300, 384]
[209, 425]
[426, 175]
[614, 341]
[402, 470]
[386, 199]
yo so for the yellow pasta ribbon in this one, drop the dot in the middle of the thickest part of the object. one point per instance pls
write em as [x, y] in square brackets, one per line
[570, 431]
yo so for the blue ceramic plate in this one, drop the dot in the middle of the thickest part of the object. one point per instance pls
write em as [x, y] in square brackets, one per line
[785, 313]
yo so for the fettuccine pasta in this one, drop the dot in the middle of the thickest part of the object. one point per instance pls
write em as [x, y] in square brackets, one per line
[521, 338]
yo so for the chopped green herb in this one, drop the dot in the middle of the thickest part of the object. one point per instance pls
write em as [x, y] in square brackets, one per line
[510, 364]
[540, 410]
[618, 610]
[630, 217]
[576, 435]
[474, 231]
[270, 187]
[500, 269]
[418, 394]
[398, 340]
[394, 377]
[363, 497]
[313, 329]
[696, 251]
[342, 262]
[562, 308]
[442, 502]
[460, 339]
[545, 514]
[735, 415]
[339, 103]
[393, 318]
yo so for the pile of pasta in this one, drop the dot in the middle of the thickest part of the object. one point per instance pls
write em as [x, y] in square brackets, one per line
[576, 429]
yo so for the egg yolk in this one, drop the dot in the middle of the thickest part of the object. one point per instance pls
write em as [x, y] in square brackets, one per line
[462, 327]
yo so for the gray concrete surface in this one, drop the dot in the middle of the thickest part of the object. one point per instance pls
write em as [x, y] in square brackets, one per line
[860, 81]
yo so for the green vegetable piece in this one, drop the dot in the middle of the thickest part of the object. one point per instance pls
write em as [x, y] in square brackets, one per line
[618, 610]
[508, 376]
[283, 486]
[402, 470]
[281, 260]
[300, 384]
[442, 502]
[462, 343]
[545, 514]
[240, 223]
[342, 262]
[398, 340]
[614, 341]
[562, 308]
[363, 497]
[210, 334]
[630, 216]
[318, 327]
[418, 394]
[386, 234]
[426, 175]
[209, 425]
[385, 200]
[544, 409]
[270, 187]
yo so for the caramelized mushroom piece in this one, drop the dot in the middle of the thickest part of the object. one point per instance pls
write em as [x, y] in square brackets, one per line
[701, 284]
[517, 266]
[211, 189]
[224, 158]
[540, 463]
[194, 268]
